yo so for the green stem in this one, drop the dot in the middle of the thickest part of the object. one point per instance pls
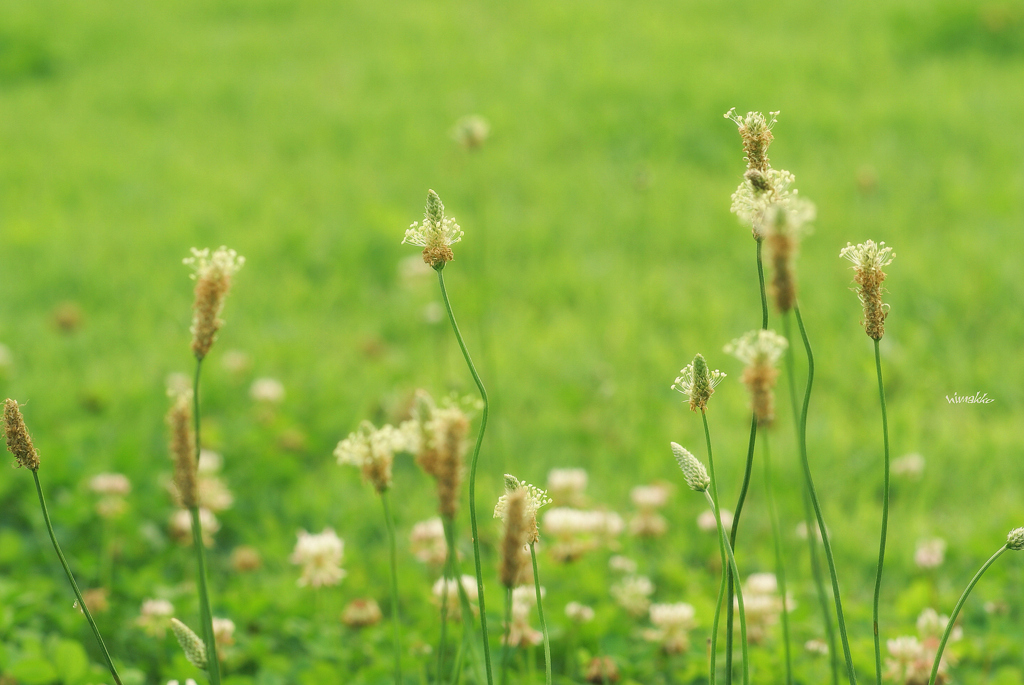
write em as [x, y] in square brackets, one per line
[780, 564]
[760, 278]
[814, 500]
[748, 468]
[389, 521]
[472, 475]
[721, 551]
[812, 544]
[467, 609]
[205, 614]
[508, 624]
[956, 611]
[446, 573]
[739, 590]
[543, 622]
[74, 585]
[885, 519]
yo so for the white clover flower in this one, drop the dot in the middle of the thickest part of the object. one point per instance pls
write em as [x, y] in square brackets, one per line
[868, 256]
[567, 485]
[436, 235]
[577, 531]
[268, 390]
[520, 632]
[155, 617]
[223, 631]
[235, 362]
[428, 543]
[673, 623]
[909, 466]
[762, 604]
[633, 594]
[931, 625]
[180, 526]
[210, 462]
[621, 564]
[758, 348]
[816, 646]
[650, 496]
[320, 557]
[579, 613]
[930, 553]
[448, 586]
[110, 484]
[706, 520]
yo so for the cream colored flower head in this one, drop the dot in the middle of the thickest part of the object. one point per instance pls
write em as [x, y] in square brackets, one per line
[535, 499]
[693, 471]
[768, 201]
[373, 450]
[868, 258]
[868, 255]
[212, 275]
[698, 382]
[758, 348]
[320, 557]
[436, 235]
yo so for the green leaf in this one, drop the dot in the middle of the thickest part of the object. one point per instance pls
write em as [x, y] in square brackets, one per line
[34, 671]
[70, 659]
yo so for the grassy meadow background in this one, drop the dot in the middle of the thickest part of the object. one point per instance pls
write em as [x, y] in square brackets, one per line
[599, 256]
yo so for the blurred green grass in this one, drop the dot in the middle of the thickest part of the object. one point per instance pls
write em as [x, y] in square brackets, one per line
[599, 256]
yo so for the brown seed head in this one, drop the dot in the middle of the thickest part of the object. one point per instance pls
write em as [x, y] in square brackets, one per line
[868, 259]
[213, 280]
[782, 247]
[760, 381]
[756, 131]
[514, 539]
[18, 441]
[451, 427]
[179, 418]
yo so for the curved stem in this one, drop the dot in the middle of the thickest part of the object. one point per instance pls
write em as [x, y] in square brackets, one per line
[205, 613]
[819, 583]
[390, 523]
[764, 295]
[885, 520]
[780, 563]
[721, 549]
[472, 474]
[739, 591]
[543, 622]
[814, 500]
[74, 585]
[956, 611]
[747, 470]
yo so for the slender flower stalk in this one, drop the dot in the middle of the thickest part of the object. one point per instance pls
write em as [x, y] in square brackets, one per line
[540, 611]
[868, 260]
[508, 628]
[436, 235]
[780, 557]
[390, 523]
[20, 445]
[812, 544]
[1014, 541]
[814, 499]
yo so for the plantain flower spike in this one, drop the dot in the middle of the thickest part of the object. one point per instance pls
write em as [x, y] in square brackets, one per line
[212, 275]
[760, 350]
[195, 650]
[535, 499]
[693, 471]
[182, 448]
[514, 538]
[1015, 540]
[18, 441]
[756, 130]
[436, 235]
[868, 259]
[697, 382]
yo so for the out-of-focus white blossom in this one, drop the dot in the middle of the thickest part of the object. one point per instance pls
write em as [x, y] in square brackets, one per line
[320, 557]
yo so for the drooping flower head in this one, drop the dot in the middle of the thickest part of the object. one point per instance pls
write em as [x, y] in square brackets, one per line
[436, 235]
[19, 443]
[693, 471]
[868, 259]
[756, 130]
[373, 450]
[698, 382]
[760, 350]
[212, 275]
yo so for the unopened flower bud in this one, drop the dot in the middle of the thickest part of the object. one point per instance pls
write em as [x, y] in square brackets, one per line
[18, 441]
[1015, 540]
[195, 650]
[693, 471]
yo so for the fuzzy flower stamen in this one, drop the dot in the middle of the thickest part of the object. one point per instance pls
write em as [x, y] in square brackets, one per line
[868, 258]
[436, 235]
[698, 382]
[212, 275]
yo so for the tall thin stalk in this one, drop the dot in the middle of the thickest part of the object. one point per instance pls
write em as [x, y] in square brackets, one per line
[472, 473]
[819, 582]
[956, 610]
[205, 614]
[390, 523]
[508, 626]
[780, 557]
[885, 520]
[725, 560]
[74, 585]
[446, 573]
[746, 478]
[540, 611]
[739, 591]
[814, 499]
